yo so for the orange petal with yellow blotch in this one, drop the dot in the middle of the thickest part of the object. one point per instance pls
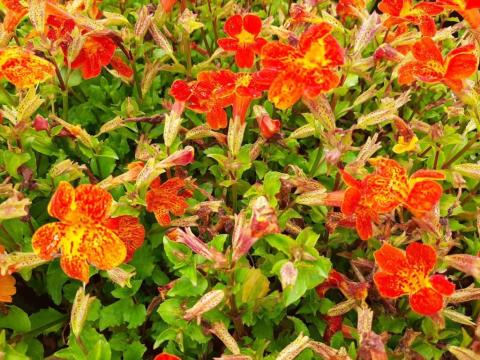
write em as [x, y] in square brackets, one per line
[421, 257]
[24, 69]
[388, 168]
[129, 230]
[442, 285]
[427, 302]
[92, 201]
[390, 259]
[424, 196]
[313, 34]
[389, 285]
[286, 89]
[7, 288]
[62, 201]
[46, 240]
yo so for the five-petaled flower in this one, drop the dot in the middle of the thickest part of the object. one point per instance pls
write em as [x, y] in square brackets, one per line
[166, 198]
[244, 39]
[429, 66]
[24, 69]
[306, 70]
[403, 11]
[85, 233]
[385, 189]
[408, 273]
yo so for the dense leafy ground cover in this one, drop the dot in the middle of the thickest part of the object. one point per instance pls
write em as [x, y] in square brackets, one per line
[257, 179]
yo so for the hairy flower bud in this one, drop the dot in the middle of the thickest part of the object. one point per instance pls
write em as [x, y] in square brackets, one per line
[469, 264]
[16, 261]
[288, 275]
[292, 350]
[206, 303]
[120, 276]
[79, 313]
[220, 330]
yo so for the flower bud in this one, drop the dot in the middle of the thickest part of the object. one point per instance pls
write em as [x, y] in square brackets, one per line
[143, 23]
[79, 313]
[16, 261]
[387, 52]
[326, 352]
[469, 264]
[201, 132]
[172, 126]
[264, 219]
[188, 21]
[179, 158]
[292, 350]
[236, 130]
[40, 123]
[121, 277]
[206, 303]
[220, 330]
[288, 275]
[13, 208]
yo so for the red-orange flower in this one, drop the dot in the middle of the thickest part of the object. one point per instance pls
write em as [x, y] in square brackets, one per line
[346, 8]
[408, 273]
[15, 13]
[85, 233]
[307, 70]
[7, 285]
[166, 198]
[166, 356]
[387, 188]
[121, 67]
[244, 39]
[268, 126]
[429, 66]
[403, 11]
[23, 69]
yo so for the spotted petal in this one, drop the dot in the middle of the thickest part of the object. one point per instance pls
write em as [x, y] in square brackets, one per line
[427, 302]
[389, 285]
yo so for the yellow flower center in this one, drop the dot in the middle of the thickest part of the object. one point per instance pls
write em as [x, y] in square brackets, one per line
[243, 80]
[246, 38]
[436, 66]
[315, 56]
[414, 281]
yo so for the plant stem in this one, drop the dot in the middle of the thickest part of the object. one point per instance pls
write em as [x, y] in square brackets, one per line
[65, 105]
[462, 151]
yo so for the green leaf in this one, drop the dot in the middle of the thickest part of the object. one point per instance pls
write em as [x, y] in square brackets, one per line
[13, 161]
[16, 319]
[255, 287]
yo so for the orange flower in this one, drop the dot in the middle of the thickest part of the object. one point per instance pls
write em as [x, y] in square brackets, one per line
[244, 39]
[166, 356]
[97, 52]
[403, 11]
[166, 198]
[468, 9]
[7, 285]
[387, 188]
[407, 273]
[215, 90]
[23, 69]
[307, 70]
[346, 8]
[85, 234]
[16, 12]
[268, 126]
[429, 66]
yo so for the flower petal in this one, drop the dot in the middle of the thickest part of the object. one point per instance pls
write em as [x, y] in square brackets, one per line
[121, 67]
[96, 52]
[7, 288]
[422, 174]
[129, 230]
[165, 356]
[461, 66]
[313, 34]
[391, 7]
[244, 57]
[217, 118]
[388, 285]
[276, 55]
[427, 25]
[426, 302]
[424, 196]
[103, 248]
[252, 23]
[75, 267]
[350, 201]
[46, 240]
[228, 44]
[390, 259]
[442, 285]
[421, 256]
[61, 203]
[363, 224]
[426, 50]
[92, 201]
[234, 25]
[286, 89]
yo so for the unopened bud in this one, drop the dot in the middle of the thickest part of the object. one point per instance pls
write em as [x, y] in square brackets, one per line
[143, 23]
[79, 313]
[288, 275]
[469, 264]
[220, 330]
[121, 277]
[464, 295]
[328, 353]
[292, 350]
[16, 261]
[206, 303]
[40, 123]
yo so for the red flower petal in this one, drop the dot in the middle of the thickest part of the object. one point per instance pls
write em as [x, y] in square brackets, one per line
[259, 44]
[244, 57]
[390, 259]
[228, 44]
[391, 7]
[424, 196]
[121, 67]
[427, 25]
[180, 90]
[427, 174]
[217, 118]
[92, 201]
[75, 267]
[234, 25]
[421, 256]
[276, 55]
[350, 202]
[442, 285]
[426, 302]
[388, 285]
[349, 179]
[363, 224]
[313, 34]
[97, 52]
[129, 230]
[165, 356]
[61, 203]
[286, 89]
[461, 66]
[252, 23]
[426, 50]
[268, 126]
